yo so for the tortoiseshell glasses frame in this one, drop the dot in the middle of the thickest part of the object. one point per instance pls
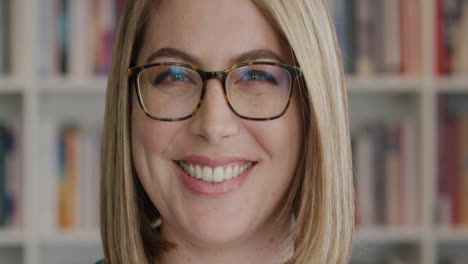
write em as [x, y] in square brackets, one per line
[134, 73]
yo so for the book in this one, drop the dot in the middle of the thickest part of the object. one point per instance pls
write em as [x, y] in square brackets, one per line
[410, 199]
[462, 127]
[10, 176]
[80, 44]
[393, 175]
[363, 21]
[442, 66]
[460, 45]
[5, 37]
[453, 163]
[63, 35]
[50, 173]
[410, 36]
[451, 41]
[391, 37]
[47, 46]
[364, 177]
[343, 16]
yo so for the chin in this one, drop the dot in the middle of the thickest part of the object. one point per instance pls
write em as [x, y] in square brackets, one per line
[218, 233]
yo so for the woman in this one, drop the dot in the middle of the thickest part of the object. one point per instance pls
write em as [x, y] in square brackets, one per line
[216, 148]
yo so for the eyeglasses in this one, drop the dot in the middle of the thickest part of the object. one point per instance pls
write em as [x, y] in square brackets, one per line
[171, 91]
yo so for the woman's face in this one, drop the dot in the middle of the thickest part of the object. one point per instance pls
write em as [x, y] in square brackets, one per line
[215, 34]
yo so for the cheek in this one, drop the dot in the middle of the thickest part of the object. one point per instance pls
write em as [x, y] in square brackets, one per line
[151, 141]
[151, 136]
[146, 138]
[280, 138]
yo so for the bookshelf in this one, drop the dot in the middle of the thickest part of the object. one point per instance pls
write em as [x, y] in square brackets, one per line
[32, 100]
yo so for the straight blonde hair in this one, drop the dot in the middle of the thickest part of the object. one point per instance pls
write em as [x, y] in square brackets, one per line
[321, 197]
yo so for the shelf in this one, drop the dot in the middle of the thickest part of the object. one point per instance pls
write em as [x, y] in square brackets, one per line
[383, 83]
[10, 85]
[85, 237]
[453, 234]
[74, 85]
[11, 238]
[389, 235]
[452, 84]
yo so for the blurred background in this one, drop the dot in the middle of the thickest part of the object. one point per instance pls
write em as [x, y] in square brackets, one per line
[407, 81]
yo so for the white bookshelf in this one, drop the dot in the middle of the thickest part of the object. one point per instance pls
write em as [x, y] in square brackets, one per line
[26, 97]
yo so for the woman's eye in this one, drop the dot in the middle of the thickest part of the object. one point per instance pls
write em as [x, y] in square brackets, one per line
[257, 76]
[171, 76]
[177, 77]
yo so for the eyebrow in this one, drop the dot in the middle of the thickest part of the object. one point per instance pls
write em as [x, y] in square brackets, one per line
[244, 57]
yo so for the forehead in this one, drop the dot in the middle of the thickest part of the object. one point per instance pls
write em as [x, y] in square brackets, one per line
[213, 31]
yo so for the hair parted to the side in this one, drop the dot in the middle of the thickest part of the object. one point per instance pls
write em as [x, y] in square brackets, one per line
[321, 196]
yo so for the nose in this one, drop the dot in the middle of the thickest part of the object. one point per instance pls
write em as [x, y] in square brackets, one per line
[214, 121]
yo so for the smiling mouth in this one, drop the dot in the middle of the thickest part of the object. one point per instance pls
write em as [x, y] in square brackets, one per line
[214, 175]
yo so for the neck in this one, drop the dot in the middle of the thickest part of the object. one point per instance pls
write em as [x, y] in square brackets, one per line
[269, 245]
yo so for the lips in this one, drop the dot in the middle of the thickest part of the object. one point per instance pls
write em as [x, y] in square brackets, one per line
[207, 176]
[216, 174]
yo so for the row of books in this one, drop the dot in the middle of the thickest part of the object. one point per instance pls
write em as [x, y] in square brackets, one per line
[10, 176]
[379, 36]
[76, 37]
[4, 35]
[452, 36]
[386, 173]
[452, 203]
[71, 174]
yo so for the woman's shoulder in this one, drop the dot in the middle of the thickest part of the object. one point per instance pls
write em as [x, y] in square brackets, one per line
[100, 262]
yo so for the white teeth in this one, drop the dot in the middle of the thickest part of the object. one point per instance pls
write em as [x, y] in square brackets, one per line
[218, 174]
[235, 171]
[207, 174]
[228, 173]
[191, 170]
[198, 172]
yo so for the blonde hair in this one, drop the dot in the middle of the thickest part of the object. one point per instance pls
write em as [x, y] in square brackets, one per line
[321, 197]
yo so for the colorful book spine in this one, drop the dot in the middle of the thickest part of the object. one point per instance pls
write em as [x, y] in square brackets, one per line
[451, 37]
[453, 165]
[63, 35]
[71, 176]
[10, 177]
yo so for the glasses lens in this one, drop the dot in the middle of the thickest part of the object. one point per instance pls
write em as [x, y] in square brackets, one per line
[259, 91]
[170, 91]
